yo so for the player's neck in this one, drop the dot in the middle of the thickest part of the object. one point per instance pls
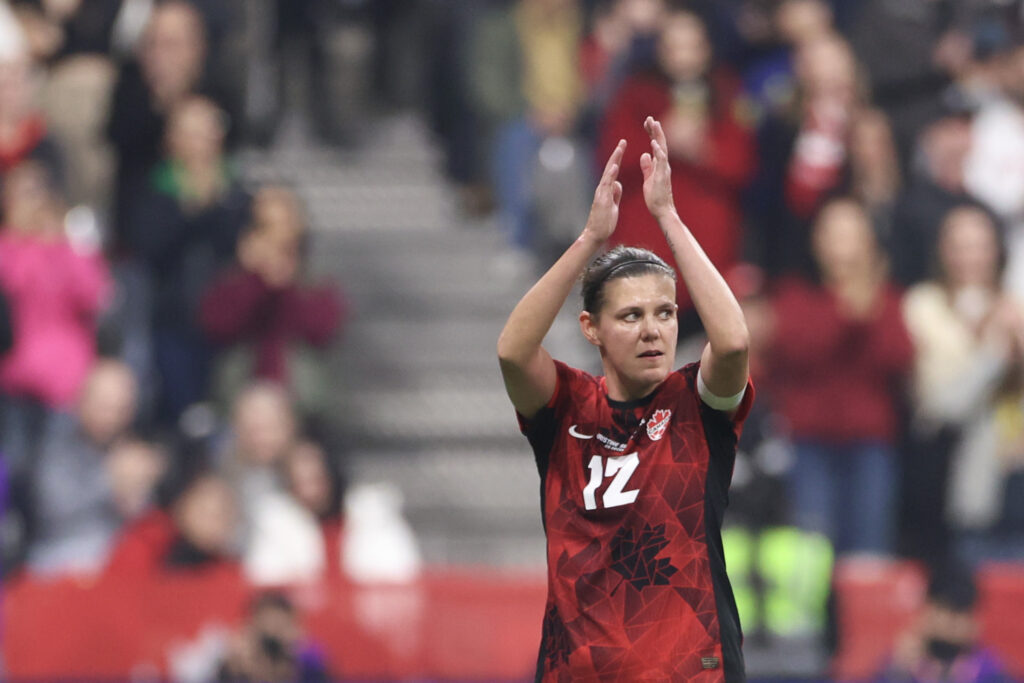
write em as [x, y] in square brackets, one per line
[621, 389]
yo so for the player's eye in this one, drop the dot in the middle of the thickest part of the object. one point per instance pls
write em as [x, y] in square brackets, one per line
[631, 317]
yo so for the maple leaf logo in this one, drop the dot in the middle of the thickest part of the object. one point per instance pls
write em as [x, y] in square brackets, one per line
[636, 559]
[658, 423]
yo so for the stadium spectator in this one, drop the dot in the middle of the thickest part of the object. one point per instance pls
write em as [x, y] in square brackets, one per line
[282, 541]
[710, 147]
[57, 30]
[803, 153]
[271, 646]
[839, 347]
[74, 41]
[78, 485]
[199, 533]
[874, 169]
[943, 643]
[135, 467]
[302, 47]
[206, 518]
[452, 116]
[969, 334]
[910, 53]
[169, 66]
[936, 186]
[771, 81]
[763, 455]
[994, 167]
[622, 39]
[527, 86]
[263, 428]
[270, 322]
[23, 128]
[185, 226]
[315, 482]
[56, 290]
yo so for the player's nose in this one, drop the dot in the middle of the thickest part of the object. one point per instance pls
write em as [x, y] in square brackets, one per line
[649, 328]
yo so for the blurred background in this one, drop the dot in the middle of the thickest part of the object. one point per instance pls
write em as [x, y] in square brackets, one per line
[256, 254]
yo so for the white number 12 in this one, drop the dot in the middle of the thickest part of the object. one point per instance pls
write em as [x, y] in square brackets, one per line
[619, 466]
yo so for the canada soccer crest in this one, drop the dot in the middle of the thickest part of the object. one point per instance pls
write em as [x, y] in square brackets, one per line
[658, 423]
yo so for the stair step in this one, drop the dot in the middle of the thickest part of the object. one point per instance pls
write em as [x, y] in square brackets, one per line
[420, 397]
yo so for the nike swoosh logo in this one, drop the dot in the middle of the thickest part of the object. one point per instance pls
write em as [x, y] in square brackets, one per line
[573, 432]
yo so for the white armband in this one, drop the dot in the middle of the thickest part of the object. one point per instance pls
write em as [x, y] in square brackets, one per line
[718, 402]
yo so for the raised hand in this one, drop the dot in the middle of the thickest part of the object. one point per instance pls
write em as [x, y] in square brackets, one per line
[604, 212]
[657, 173]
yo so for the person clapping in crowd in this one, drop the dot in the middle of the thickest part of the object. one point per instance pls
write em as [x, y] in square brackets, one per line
[170, 66]
[271, 323]
[185, 227]
[969, 333]
[839, 349]
[56, 289]
[804, 153]
[710, 146]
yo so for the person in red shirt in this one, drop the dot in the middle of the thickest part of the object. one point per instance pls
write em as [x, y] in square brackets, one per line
[198, 533]
[711, 148]
[271, 321]
[635, 465]
[840, 347]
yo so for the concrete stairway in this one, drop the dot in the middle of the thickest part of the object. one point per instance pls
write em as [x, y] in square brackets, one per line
[420, 398]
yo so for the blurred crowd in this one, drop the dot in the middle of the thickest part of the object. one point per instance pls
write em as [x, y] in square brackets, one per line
[165, 397]
[855, 168]
[164, 389]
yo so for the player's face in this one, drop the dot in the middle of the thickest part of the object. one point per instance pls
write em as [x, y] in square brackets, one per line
[636, 331]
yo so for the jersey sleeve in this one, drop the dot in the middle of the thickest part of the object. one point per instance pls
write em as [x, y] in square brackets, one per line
[542, 428]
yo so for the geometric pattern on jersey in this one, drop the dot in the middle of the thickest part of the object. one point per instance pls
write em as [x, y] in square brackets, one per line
[637, 588]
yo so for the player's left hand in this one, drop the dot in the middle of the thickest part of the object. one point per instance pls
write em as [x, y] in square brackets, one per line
[657, 172]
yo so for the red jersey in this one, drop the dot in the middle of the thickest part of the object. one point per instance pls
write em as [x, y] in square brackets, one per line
[633, 495]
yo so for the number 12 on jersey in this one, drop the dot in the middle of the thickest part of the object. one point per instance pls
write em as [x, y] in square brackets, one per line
[621, 468]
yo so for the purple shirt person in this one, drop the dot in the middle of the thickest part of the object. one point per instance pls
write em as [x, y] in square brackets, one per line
[943, 644]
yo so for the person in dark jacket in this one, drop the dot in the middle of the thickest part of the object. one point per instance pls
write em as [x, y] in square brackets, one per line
[185, 227]
[171, 65]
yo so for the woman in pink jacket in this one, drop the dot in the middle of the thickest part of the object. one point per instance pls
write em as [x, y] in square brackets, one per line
[56, 291]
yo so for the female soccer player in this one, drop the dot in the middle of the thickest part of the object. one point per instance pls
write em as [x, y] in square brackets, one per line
[635, 465]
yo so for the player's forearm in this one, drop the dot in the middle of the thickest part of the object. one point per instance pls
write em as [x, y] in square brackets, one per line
[533, 316]
[717, 307]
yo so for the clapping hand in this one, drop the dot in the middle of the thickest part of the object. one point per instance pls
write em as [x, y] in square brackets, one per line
[657, 173]
[604, 212]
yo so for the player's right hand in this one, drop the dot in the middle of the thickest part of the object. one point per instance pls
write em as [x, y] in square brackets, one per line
[604, 212]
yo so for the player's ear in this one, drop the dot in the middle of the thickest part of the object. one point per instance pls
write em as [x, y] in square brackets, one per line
[588, 325]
